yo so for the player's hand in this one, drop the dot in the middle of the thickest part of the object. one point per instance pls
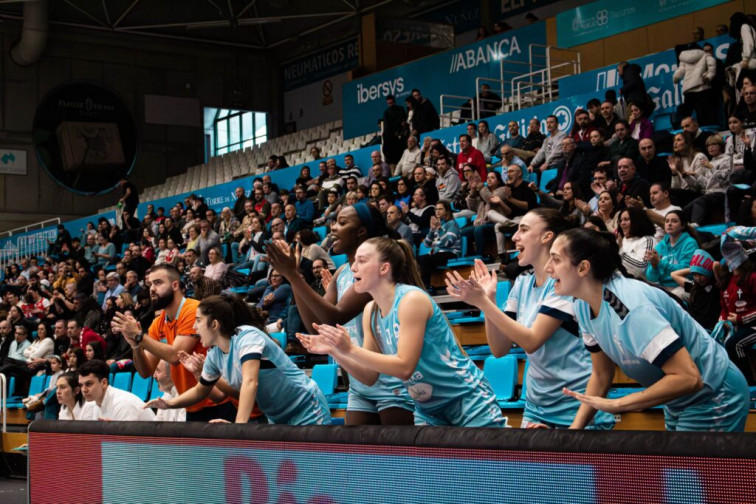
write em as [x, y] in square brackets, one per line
[595, 402]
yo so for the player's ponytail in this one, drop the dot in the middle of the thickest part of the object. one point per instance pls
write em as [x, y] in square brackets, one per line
[399, 255]
[599, 248]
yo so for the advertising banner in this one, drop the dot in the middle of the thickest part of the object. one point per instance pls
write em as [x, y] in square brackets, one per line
[450, 72]
[322, 64]
[605, 18]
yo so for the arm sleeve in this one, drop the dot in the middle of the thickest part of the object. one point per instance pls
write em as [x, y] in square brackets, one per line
[251, 344]
[210, 372]
[646, 333]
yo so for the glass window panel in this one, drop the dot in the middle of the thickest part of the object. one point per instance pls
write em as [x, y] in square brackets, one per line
[222, 133]
[261, 125]
[234, 129]
[247, 129]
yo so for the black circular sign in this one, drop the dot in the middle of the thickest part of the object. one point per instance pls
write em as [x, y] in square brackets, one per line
[85, 137]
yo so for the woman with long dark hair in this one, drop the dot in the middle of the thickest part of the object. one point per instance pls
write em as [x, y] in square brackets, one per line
[649, 336]
[250, 362]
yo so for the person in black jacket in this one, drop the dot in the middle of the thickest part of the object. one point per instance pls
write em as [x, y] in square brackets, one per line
[633, 88]
[426, 118]
[394, 119]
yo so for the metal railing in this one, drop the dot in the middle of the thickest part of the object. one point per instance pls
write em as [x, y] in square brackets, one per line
[448, 109]
[30, 227]
[529, 82]
[8, 256]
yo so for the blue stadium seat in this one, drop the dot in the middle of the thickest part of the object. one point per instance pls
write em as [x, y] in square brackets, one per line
[478, 352]
[423, 249]
[339, 259]
[122, 381]
[462, 222]
[141, 386]
[155, 391]
[321, 231]
[546, 177]
[326, 376]
[501, 373]
[243, 271]
[502, 292]
[715, 229]
[235, 253]
[280, 337]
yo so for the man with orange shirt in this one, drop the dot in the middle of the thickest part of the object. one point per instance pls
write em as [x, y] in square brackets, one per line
[170, 332]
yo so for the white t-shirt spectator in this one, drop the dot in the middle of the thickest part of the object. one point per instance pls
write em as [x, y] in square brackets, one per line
[86, 411]
[171, 415]
[123, 406]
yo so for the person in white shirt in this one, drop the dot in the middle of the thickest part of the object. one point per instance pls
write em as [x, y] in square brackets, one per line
[113, 403]
[410, 158]
[72, 404]
[162, 376]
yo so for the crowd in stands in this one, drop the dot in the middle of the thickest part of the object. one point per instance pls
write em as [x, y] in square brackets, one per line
[656, 191]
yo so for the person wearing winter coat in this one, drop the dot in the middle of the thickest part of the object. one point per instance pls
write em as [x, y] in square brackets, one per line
[715, 179]
[696, 70]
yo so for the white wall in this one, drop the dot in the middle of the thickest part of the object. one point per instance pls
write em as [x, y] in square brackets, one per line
[309, 106]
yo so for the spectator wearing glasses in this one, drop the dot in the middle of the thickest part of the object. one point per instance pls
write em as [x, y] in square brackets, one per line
[113, 283]
[447, 180]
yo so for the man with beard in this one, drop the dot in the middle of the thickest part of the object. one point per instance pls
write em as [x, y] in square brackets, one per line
[171, 333]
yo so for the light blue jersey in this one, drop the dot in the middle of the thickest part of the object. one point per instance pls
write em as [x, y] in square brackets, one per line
[447, 387]
[284, 393]
[562, 361]
[388, 391]
[640, 327]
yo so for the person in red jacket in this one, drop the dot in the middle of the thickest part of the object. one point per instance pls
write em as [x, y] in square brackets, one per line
[82, 336]
[471, 155]
[738, 301]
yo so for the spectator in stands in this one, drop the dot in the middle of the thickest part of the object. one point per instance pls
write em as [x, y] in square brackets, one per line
[630, 184]
[426, 118]
[485, 141]
[420, 178]
[741, 55]
[333, 181]
[687, 168]
[131, 286]
[394, 222]
[607, 121]
[410, 158]
[270, 195]
[490, 103]
[206, 240]
[71, 400]
[508, 157]
[251, 247]
[113, 403]
[567, 206]
[129, 199]
[192, 238]
[275, 298]
[309, 248]
[469, 154]
[696, 70]
[106, 251]
[636, 240]
[650, 166]
[241, 198]
[698, 281]
[350, 170]
[216, 268]
[722, 29]
[403, 192]
[747, 108]
[315, 153]
[660, 207]
[419, 215]
[394, 118]
[550, 154]
[227, 225]
[624, 144]
[640, 127]
[172, 232]
[633, 88]
[212, 217]
[672, 253]
[330, 212]
[447, 181]
[304, 207]
[376, 159]
[607, 209]
[443, 242]
[293, 222]
[581, 130]
[15, 363]
[113, 283]
[479, 200]
[715, 181]
[573, 169]
[690, 126]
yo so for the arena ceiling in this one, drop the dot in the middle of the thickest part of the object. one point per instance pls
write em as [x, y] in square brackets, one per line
[285, 28]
